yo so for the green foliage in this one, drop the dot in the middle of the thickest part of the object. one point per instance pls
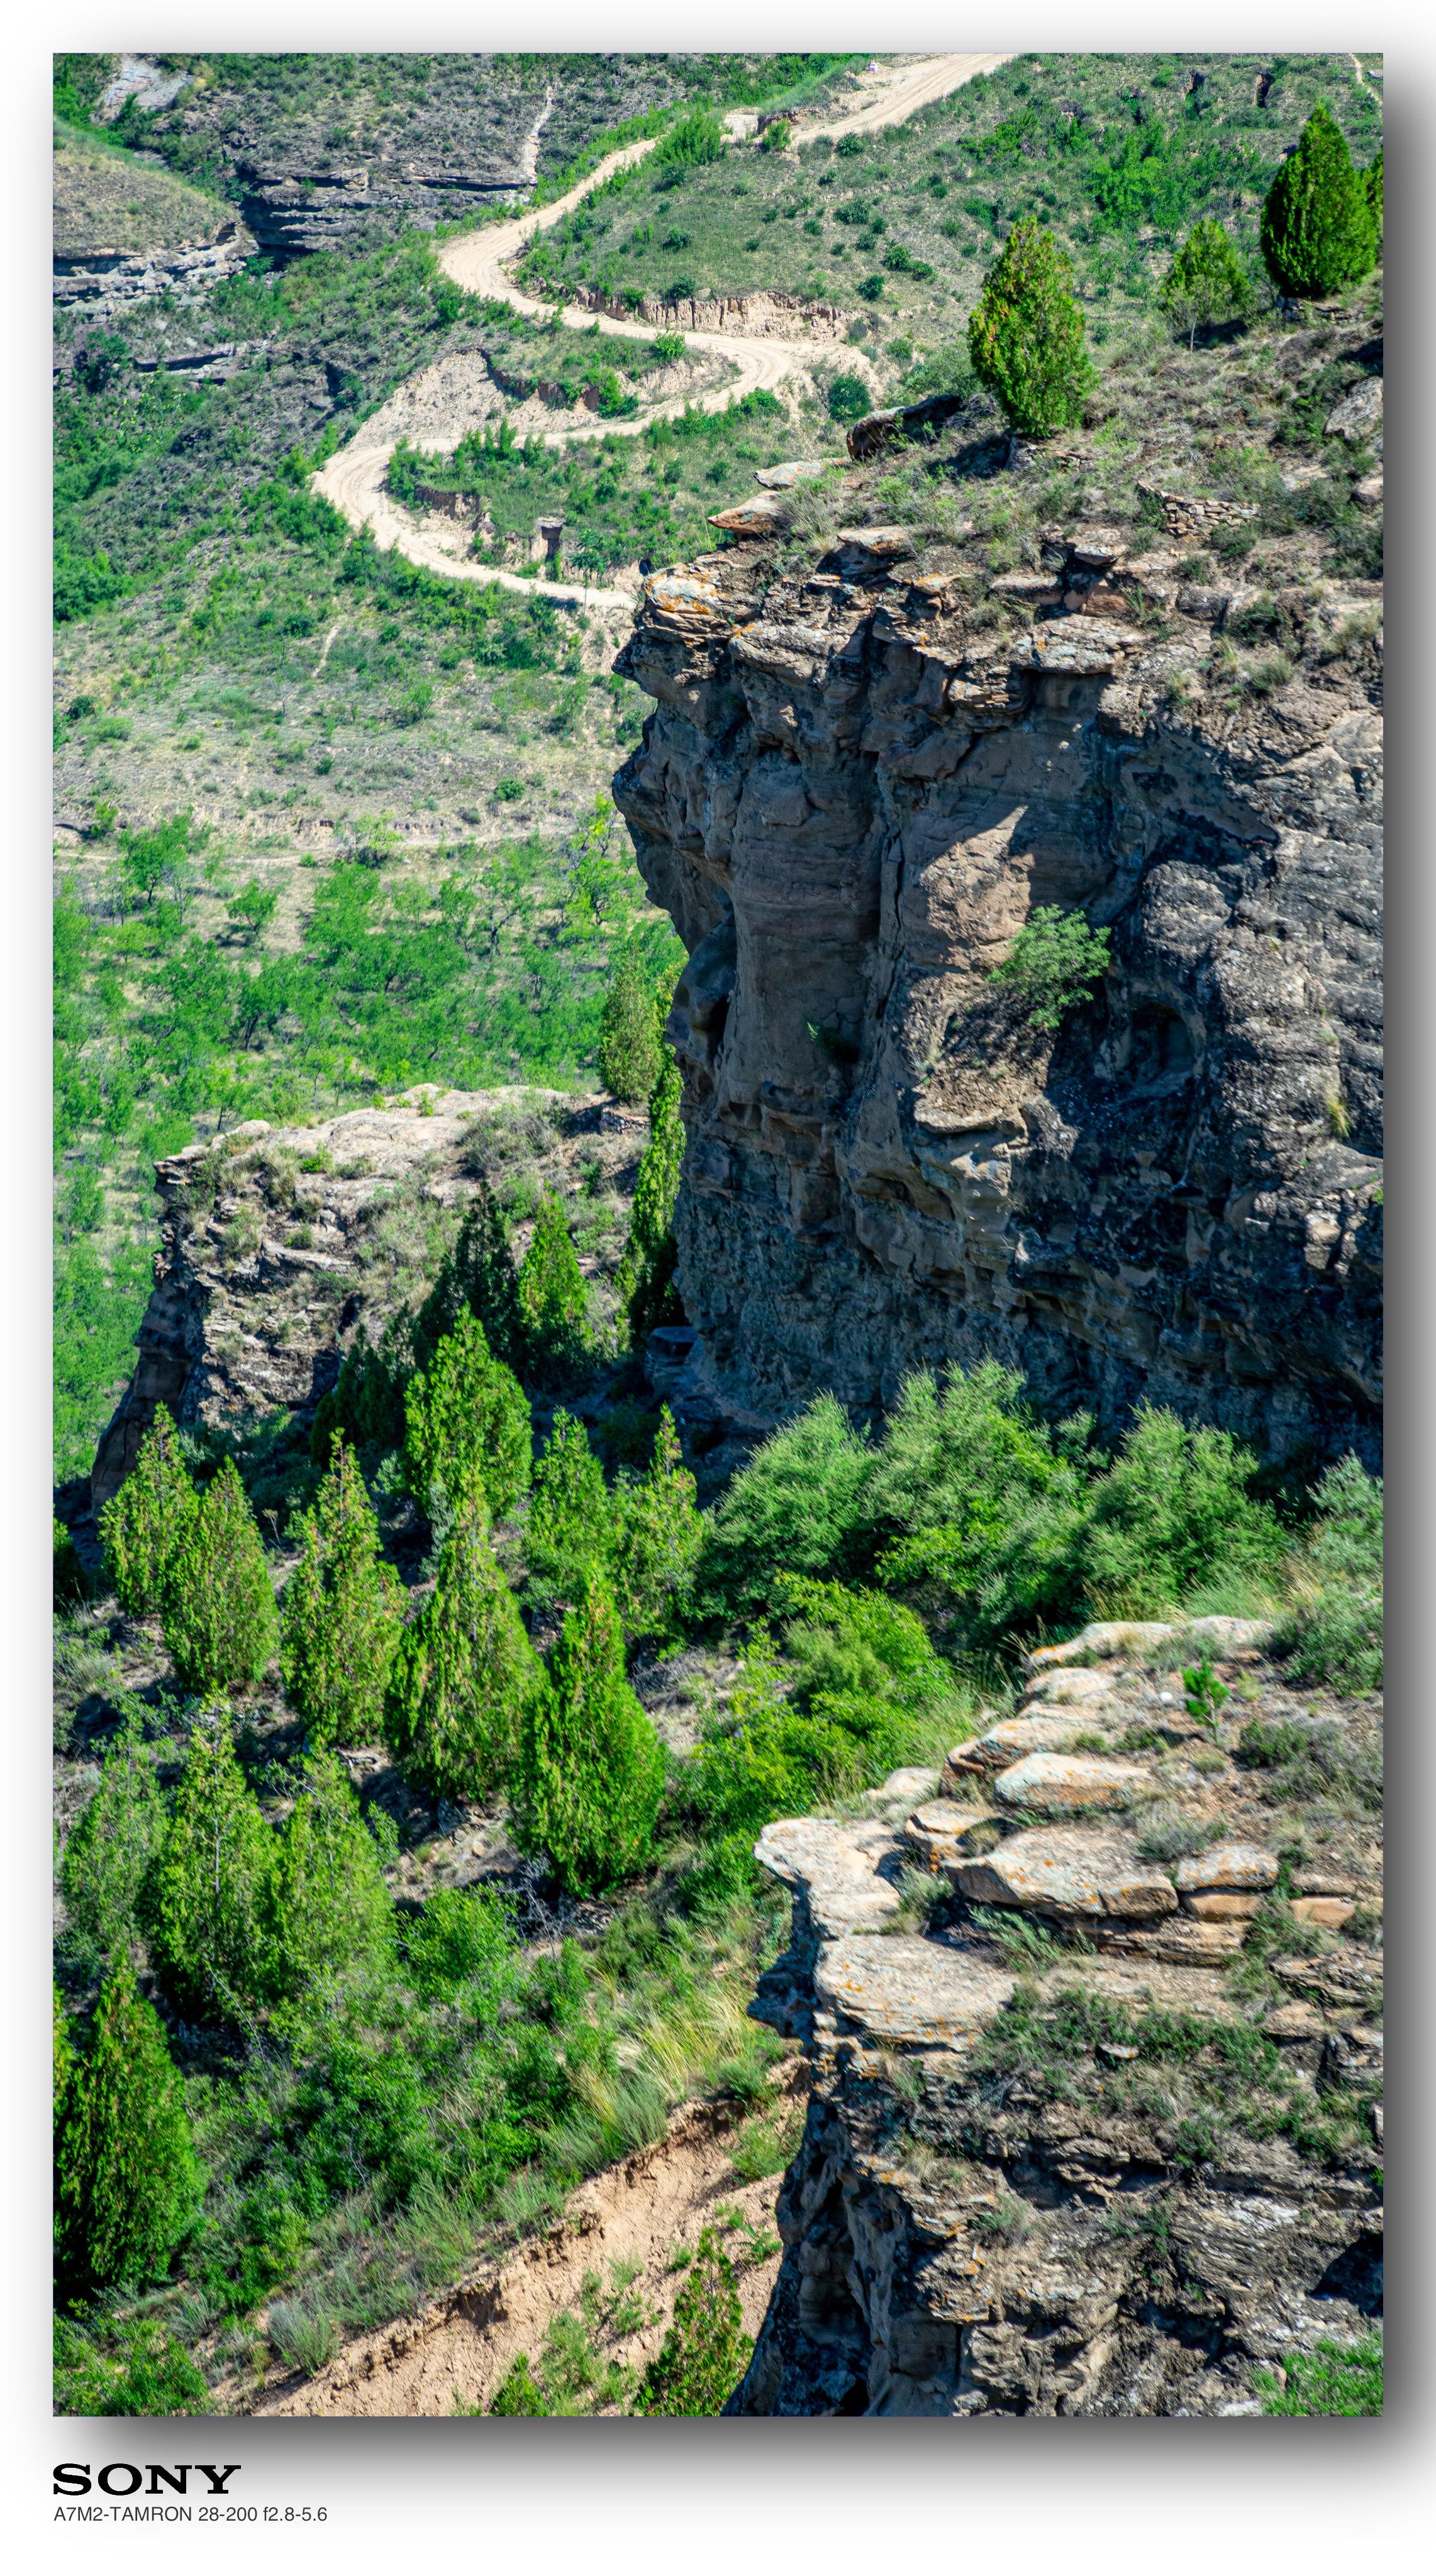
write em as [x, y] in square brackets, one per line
[342, 1613]
[1332, 1631]
[518, 2392]
[1318, 233]
[1206, 283]
[110, 1857]
[467, 1415]
[326, 1906]
[1026, 334]
[127, 2181]
[1173, 1507]
[692, 141]
[463, 1944]
[794, 1509]
[137, 2368]
[1205, 1695]
[644, 1280]
[478, 1274]
[1334, 2379]
[590, 1772]
[658, 1538]
[850, 397]
[465, 1673]
[631, 1032]
[144, 1527]
[220, 1622]
[705, 2351]
[569, 1531]
[214, 1875]
[552, 1294]
[1054, 964]
[1374, 183]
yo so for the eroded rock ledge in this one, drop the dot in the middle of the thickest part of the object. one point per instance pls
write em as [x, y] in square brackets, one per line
[973, 2228]
[857, 785]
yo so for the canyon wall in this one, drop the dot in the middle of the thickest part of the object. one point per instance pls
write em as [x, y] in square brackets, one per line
[850, 798]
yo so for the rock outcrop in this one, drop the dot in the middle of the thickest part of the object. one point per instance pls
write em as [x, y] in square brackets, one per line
[859, 783]
[1056, 2160]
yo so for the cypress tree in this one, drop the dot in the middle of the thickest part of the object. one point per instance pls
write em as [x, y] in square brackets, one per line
[1026, 335]
[465, 1670]
[630, 1034]
[220, 1622]
[367, 1403]
[552, 1293]
[326, 1905]
[62, 2057]
[644, 1279]
[660, 1538]
[342, 1613]
[128, 2183]
[214, 1878]
[568, 1529]
[705, 2351]
[1317, 230]
[590, 1770]
[467, 1414]
[1206, 282]
[111, 1853]
[478, 1274]
[144, 1526]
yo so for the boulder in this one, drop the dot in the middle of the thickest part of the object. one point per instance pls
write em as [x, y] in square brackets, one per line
[1369, 492]
[1069, 1689]
[1181, 1941]
[760, 517]
[1222, 1905]
[1069, 1874]
[861, 554]
[1358, 414]
[1055, 1783]
[942, 1833]
[832, 1869]
[911, 1993]
[1013, 1737]
[1226, 1865]
[1328, 1913]
[781, 478]
[1101, 1637]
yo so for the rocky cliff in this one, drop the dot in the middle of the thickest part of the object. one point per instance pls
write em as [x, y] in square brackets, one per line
[1092, 2133]
[870, 762]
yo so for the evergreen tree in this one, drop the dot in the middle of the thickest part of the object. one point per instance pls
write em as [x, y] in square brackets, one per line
[214, 1878]
[660, 1538]
[1374, 183]
[1317, 228]
[568, 1529]
[111, 1853]
[127, 2180]
[1026, 335]
[705, 2351]
[220, 1622]
[644, 1280]
[342, 1613]
[478, 1274]
[467, 1414]
[1206, 283]
[630, 1034]
[590, 1771]
[465, 1671]
[145, 1525]
[326, 1904]
[367, 1404]
[552, 1294]
[62, 2057]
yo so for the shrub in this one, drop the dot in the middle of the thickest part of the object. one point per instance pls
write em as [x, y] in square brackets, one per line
[1332, 1631]
[326, 1906]
[478, 1274]
[464, 1942]
[518, 2392]
[127, 2181]
[1054, 964]
[796, 1508]
[630, 1037]
[849, 398]
[1206, 283]
[342, 1613]
[466, 1415]
[1172, 1507]
[214, 1878]
[220, 1622]
[658, 1540]
[644, 1280]
[552, 1293]
[705, 2351]
[1334, 2379]
[568, 1531]
[111, 1853]
[692, 141]
[1374, 183]
[144, 2371]
[465, 1671]
[1318, 232]
[590, 1772]
[1026, 334]
[144, 1526]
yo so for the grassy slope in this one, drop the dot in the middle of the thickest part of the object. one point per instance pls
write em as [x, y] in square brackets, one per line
[106, 200]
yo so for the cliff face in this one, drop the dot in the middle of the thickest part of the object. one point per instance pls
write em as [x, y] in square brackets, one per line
[850, 798]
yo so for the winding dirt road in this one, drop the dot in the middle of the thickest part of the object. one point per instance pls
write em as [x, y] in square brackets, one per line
[353, 480]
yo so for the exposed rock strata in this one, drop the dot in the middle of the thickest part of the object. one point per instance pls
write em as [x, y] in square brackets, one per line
[853, 793]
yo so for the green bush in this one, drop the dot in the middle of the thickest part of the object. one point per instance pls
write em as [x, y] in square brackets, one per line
[127, 2180]
[465, 1672]
[1332, 1631]
[1026, 334]
[220, 1622]
[658, 1538]
[1206, 283]
[1173, 1510]
[1318, 231]
[108, 1869]
[214, 1873]
[327, 1910]
[692, 141]
[1334, 2379]
[467, 1414]
[630, 1037]
[590, 1772]
[645, 1277]
[478, 1274]
[552, 1294]
[569, 1530]
[850, 397]
[796, 1508]
[145, 1525]
[342, 1613]
[139, 2369]
[705, 2351]
[518, 2392]
[1054, 964]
